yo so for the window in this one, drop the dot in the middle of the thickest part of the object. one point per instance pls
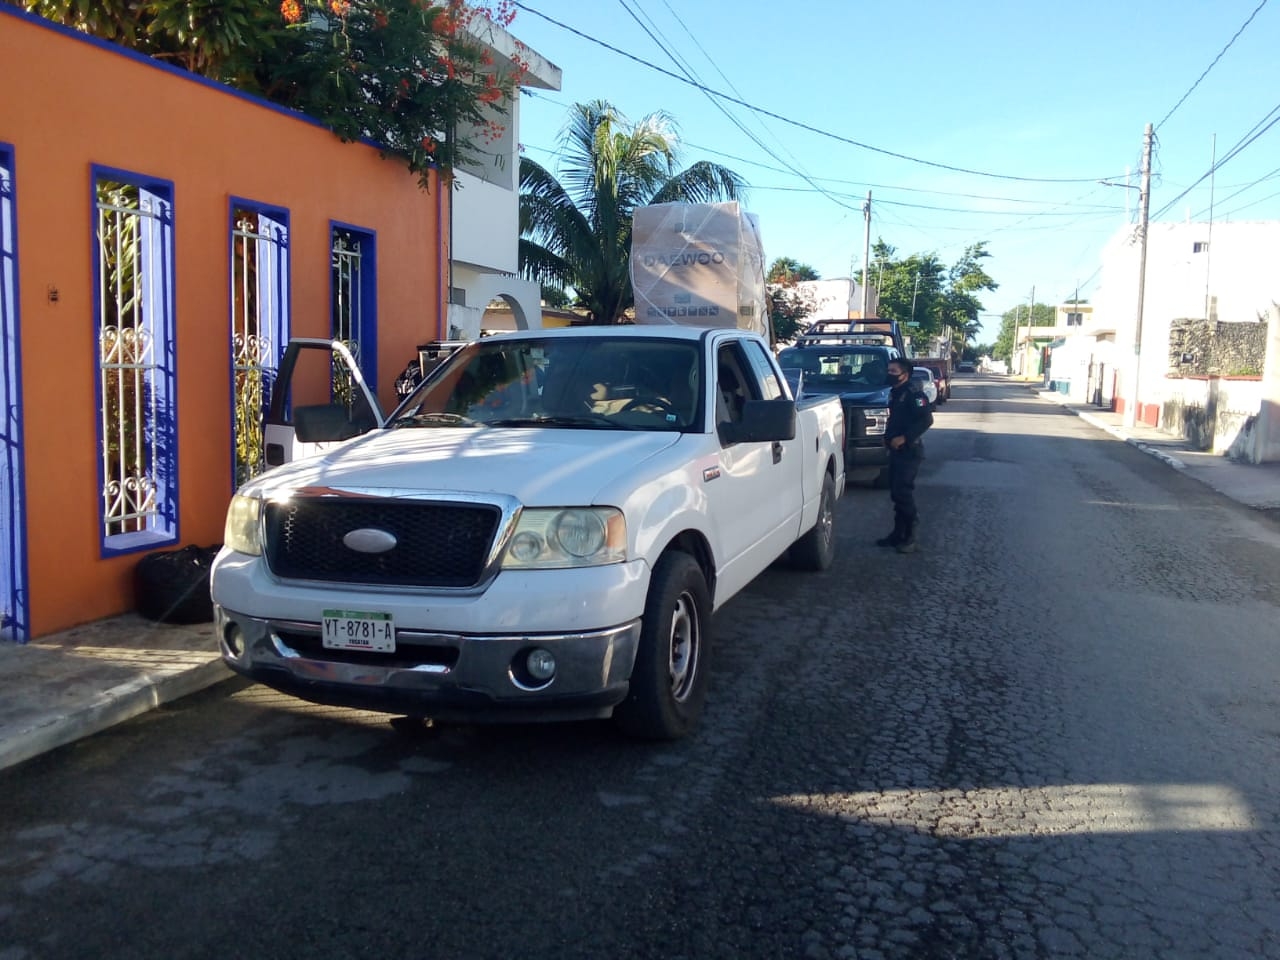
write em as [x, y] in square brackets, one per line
[353, 292]
[765, 373]
[259, 325]
[137, 425]
[13, 556]
[733, 386]
[1075, 319]
[1200, 246]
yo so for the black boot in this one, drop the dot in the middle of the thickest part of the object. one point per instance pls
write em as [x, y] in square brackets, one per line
[895, 538]
[907, 543]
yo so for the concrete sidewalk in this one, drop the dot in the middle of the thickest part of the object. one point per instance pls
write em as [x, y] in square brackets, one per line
[59, 689]
[1254, 485]
[70, 685]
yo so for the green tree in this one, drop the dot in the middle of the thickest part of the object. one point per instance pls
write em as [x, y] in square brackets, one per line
[788, 270]
[911, 289]
[789, 305]
[575, 232]
[410, 75]
[927, 296]
[1041, 314]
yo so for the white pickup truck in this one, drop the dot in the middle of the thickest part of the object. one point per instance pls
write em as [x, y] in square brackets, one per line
[542, 530]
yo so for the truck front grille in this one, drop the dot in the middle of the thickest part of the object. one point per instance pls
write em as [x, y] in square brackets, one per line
[436, 544]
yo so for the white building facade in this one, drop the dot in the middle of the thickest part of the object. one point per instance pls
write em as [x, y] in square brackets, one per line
[1221, 271]
[484, 229]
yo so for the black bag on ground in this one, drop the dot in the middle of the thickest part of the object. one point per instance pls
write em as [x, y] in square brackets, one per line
[172, 586]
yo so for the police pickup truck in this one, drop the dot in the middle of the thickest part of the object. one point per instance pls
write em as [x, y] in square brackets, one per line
[541, 530]
[849, 360]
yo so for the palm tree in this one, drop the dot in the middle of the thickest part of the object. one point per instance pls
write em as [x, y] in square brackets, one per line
[575, 232]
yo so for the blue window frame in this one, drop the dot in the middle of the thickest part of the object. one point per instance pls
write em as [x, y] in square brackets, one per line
[14, 601]
[260, 311]
[354, 295]
[135, 339]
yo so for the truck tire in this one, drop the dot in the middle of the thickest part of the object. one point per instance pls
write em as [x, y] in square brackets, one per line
[669, 680]
[816, 549]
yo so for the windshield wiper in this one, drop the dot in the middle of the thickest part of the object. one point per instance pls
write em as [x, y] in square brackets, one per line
[577, 420]
[434, 420]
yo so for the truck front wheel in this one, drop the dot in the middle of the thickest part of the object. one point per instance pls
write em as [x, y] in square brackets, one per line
[669, 680]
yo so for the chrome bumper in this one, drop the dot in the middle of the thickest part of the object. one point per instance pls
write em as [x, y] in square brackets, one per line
[445, 676]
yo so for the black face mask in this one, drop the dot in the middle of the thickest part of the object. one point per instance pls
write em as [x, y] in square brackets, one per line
[896, 381]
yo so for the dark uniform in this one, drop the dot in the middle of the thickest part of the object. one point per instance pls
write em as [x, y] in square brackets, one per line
[910, 415]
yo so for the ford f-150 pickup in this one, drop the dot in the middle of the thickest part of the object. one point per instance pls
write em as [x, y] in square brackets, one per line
[541, 530]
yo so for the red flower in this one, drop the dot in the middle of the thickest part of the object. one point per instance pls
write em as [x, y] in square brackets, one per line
[379, 19]
[291, 10]
[429, 145]
[340, 8]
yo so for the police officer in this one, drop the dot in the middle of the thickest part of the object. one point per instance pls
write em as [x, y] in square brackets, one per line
[910, 415]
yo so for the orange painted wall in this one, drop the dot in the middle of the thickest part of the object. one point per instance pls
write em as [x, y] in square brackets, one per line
[71, 103]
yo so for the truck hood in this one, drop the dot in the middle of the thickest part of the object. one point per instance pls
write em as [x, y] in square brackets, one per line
[539, 467]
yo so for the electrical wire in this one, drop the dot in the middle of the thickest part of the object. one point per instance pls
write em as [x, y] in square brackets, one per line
[691, 78]
[797, 123]
[1213, 64]
[1244, 142]
[540, 95]
[1244, 188]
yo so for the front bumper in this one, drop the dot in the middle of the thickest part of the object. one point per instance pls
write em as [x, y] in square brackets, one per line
[867, 453]
[457, 652]
[444, 676]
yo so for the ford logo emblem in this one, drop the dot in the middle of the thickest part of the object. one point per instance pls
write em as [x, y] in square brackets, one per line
[369, 540]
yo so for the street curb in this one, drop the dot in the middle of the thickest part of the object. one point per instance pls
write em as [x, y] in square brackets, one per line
[113, 706]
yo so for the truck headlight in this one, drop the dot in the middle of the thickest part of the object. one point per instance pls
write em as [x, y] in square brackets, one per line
[877, 420]
[567, 537]
[243, 531]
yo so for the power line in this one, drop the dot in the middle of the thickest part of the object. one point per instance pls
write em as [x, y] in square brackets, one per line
[1244, 142]
[1099, 212]
[711, 60]
[1214, 64]
[1247, 186]
[691, 77]
[835, 180]
[796, 123]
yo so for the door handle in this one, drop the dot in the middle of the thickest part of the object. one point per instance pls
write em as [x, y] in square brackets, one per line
[777, 451]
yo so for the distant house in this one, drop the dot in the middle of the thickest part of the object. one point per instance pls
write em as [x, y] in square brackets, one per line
[161, 237]
[838, 299]
[1221, 271]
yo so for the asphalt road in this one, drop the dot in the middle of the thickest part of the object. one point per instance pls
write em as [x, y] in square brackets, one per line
[1054, 732]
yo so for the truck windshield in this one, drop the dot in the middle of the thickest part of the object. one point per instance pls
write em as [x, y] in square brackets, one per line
[836, 366]
[587, 382]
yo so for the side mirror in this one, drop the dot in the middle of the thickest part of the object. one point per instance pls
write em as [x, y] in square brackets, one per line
[763, 421]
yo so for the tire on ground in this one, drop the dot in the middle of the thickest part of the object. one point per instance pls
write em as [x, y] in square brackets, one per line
[669, 680]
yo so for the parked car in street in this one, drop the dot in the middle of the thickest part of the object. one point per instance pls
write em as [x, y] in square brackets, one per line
[925, 377]
[541, 530]
[965, 366]
[941, 368]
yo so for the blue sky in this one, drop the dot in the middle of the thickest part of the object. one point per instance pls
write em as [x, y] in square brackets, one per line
[1030, 91]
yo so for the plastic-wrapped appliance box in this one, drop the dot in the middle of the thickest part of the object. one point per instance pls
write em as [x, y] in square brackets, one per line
[698, 264]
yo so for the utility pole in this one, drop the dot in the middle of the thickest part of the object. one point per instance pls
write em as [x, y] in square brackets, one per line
[1144, 213]
[1022, 354]
[1013, 347]
[1208, 250]
[915, 293]
[866, 252]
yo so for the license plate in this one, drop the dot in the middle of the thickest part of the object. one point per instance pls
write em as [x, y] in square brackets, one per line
[358, 630]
